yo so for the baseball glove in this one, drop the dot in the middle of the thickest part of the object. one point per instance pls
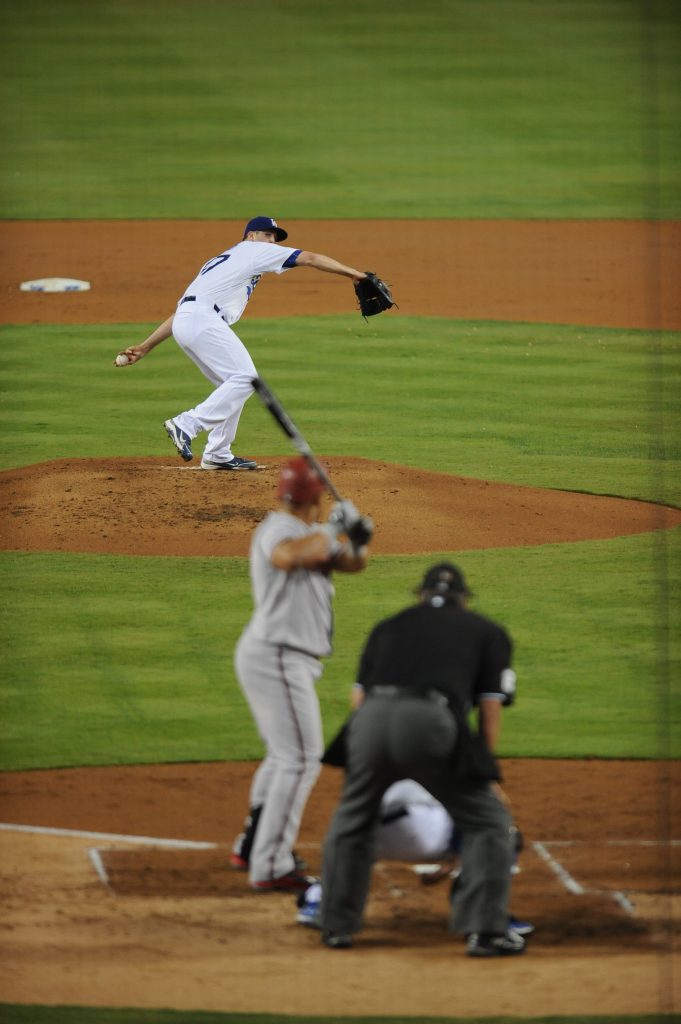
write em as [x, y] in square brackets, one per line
[373, 295]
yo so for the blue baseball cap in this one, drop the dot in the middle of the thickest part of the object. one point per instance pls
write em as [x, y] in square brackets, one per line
[266, 224]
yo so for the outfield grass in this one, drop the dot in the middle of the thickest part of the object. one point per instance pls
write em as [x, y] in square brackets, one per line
[499, 108]
[14, 1014]
[448, 108]
[114, 660]
[590, 409]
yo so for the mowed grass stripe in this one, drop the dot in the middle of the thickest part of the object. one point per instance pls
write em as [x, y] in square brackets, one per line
[115, 660]
[553, 406]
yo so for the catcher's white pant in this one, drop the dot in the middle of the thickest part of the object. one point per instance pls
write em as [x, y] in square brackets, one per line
[212, 344]
[279, 685]
[424, 833]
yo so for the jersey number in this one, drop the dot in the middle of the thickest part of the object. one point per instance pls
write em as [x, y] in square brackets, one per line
[215, 262]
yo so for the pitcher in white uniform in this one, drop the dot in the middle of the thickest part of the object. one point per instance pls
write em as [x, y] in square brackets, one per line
[278, 662]
[201, 325]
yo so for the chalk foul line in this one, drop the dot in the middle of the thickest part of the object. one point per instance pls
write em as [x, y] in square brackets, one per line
[111, 837]
[573, 886]
[567, 880]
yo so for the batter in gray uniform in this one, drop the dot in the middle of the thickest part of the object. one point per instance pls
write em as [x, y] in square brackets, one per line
[423, 670]
[278, 662]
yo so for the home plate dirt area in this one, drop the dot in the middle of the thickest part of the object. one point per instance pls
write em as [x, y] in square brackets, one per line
[118, 892]
[115, 885]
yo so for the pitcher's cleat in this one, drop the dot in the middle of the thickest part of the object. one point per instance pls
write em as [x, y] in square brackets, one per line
[235, 463]
[182, 441]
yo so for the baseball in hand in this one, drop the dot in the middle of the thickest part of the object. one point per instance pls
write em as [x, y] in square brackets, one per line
[122, 360]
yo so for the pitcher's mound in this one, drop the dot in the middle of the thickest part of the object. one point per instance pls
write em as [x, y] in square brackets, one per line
[161, 506]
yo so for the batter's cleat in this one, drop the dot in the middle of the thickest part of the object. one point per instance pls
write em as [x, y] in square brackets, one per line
[182, 441]
[241, 848]
[239, 860]
[337, 940]
[523, 928]
[235, 463]
[481, 944]
[291, 882]
[236, 858]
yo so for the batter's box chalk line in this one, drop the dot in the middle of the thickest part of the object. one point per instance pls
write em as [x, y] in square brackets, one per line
[95, 856]
[95, 853]
[573, 886]
[111, 837]
[540, 848]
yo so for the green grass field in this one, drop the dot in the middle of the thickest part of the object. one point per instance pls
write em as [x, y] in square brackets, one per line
[84, 683]
[556, 407]
[77, 1015]
[553, 406]
[497, 108]
[493, 108]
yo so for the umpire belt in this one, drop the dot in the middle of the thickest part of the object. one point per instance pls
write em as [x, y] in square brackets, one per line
[435, 696]
[192, 298]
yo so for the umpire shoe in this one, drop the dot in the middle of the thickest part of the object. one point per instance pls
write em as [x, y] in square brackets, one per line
[291, 882]
[235, 463]
[337, 940]
[182, 441]
[482, 944]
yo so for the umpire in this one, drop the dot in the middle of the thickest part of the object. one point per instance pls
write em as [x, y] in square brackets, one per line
[422, 671]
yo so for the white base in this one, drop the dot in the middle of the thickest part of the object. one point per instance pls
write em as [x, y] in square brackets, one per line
[55, 284]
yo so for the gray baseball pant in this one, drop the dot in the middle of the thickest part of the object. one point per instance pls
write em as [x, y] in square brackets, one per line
[391, 738]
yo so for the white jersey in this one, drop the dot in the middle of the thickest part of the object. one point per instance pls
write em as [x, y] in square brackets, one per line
[293, 609]
[227, 281]
[414, 826]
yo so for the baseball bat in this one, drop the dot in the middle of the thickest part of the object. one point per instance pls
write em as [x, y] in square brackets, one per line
[272, 403]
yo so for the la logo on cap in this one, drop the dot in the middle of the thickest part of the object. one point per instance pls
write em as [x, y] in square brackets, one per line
[266, 224]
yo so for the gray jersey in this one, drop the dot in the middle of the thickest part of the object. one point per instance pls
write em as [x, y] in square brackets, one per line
[293, 609]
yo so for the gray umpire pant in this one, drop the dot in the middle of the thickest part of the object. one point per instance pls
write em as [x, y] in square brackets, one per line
[395, 737]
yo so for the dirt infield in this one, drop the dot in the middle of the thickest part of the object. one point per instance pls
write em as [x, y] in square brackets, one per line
[101, 915]
[603, 273]
[174, 926]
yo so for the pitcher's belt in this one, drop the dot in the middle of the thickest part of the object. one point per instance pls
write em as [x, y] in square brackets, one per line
[192, 298]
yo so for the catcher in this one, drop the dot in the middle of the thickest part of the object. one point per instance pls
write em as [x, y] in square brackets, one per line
[413, 826]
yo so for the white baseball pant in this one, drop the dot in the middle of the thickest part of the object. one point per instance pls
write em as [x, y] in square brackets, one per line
[214, 347]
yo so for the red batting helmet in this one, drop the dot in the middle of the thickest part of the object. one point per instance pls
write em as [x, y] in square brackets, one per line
[299, 482]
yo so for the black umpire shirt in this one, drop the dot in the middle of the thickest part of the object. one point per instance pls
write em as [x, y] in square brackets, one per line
[448, 648]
